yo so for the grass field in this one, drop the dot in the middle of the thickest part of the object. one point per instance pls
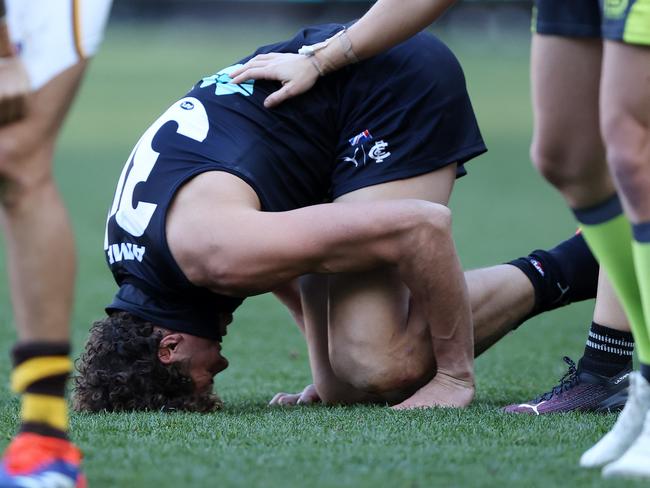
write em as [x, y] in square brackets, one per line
[502, 210]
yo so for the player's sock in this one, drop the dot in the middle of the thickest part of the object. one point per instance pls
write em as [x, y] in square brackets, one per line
[608, 351]
[609, 235]
[641, 253]
[40, 373]
[564, 274]
[41, 454]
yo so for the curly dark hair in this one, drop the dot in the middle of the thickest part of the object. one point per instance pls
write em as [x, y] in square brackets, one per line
[119, 371]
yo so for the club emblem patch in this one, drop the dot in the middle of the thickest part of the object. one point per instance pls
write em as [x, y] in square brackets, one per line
[224, 85]
[378, 151]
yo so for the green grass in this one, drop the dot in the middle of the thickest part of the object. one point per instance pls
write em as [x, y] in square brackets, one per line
[502, 210]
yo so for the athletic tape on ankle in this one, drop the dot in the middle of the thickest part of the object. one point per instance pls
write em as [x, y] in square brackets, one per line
[38, 368]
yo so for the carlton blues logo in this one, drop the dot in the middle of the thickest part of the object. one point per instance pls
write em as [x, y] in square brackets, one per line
[377, 152]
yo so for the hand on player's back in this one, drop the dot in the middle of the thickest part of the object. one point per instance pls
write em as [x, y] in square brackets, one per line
[14, 88]
[295, 71]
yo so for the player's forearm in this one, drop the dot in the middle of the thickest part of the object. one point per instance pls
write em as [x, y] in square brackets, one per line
[390, 22]
[450, 321]
[6, 48]
[455, 356]
[331, 389]
[289, 295]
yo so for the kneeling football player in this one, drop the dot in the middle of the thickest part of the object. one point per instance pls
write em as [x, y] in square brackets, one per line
[222, 199]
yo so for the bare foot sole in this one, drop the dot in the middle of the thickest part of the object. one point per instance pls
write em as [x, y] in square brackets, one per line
[443, 392]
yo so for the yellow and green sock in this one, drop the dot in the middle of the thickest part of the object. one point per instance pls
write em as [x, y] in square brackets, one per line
[609, 235]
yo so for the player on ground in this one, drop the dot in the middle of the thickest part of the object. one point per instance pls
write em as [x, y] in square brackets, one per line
[608, 351]
[221, 198]
[44, 46]
[259, 177]
[574, 43]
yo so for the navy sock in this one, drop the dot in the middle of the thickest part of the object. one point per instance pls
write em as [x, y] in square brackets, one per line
[566, 274]
[608, 351]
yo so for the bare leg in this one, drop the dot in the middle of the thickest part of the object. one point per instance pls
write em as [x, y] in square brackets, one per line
[608, 310]
[368, 310]
[567, 148]
[41, 266]
[410, 237]
[385, 361]
[40, 247]
[391, 361]
[625, 102]
[625, 123]
[625, 105]
[500, 296]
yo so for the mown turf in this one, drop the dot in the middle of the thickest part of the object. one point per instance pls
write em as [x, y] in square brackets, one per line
[501, 210]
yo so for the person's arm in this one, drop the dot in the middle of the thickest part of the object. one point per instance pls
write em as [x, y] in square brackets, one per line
[309, 309]
[390, 22]
[386, 24]
[14, 83]
[289, 295]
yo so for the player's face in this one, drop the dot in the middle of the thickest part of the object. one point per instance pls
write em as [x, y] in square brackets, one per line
[205, 361]
[202, 355]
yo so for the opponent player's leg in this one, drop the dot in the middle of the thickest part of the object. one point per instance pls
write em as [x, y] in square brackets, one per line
[625, 105]
[41, 270]
[35, 222]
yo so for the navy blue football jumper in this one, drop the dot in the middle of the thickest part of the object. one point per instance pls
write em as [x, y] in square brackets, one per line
[400, 114]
